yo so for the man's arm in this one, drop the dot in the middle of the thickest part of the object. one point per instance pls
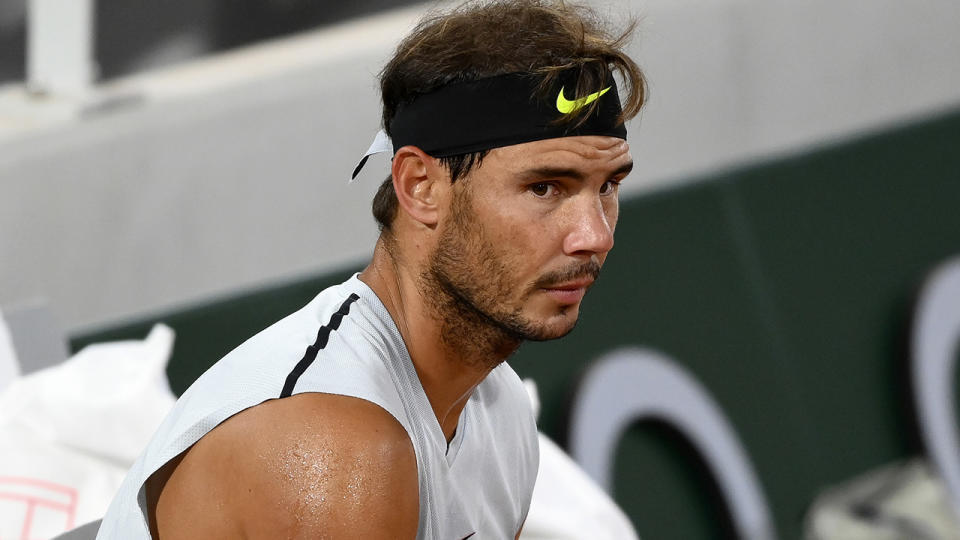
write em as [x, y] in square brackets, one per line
[308, 466]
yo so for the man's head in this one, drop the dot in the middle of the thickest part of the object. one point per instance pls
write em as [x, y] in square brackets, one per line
[479, 40]
[507, 217]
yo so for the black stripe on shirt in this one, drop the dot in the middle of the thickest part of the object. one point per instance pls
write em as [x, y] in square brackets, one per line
[323, 335]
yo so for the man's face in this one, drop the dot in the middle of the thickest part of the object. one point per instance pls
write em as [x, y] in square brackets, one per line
[528, 230]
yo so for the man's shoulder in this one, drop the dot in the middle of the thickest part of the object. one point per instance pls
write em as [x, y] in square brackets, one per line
[291, 357]
[303, 462]
[334, 314]
[326, 310]
[326, 426]
[325, 417]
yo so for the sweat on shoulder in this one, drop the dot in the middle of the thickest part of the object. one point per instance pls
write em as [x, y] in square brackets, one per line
[384, 408]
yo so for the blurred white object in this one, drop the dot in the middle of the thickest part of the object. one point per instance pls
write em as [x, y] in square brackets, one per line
[631, 384]
[933, 360]
[60, 47]
[567, 504]
[903, 501]
[69, 433]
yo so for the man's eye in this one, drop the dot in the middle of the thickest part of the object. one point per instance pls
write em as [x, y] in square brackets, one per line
[609, 187]
[542, 189]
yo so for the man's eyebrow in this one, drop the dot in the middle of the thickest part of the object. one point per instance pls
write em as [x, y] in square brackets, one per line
[538, 173]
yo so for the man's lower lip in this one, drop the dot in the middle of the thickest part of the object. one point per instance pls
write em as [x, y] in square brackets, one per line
[567, 296]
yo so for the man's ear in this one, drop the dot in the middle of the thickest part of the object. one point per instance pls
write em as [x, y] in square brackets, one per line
[418, 181]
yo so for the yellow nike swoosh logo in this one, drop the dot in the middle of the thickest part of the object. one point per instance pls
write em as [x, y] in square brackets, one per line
[567, 106]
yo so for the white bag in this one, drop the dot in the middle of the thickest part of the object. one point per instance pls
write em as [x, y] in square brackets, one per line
[69, 433]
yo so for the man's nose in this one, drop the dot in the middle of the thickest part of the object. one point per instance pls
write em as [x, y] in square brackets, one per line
[591, 231]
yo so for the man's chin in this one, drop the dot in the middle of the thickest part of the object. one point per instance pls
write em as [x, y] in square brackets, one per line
[554, 329]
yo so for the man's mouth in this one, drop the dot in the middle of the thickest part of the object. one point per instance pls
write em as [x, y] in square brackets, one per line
[569, 292]
[581, 283]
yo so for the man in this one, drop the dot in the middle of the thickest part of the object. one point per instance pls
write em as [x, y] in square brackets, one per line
[383, 408]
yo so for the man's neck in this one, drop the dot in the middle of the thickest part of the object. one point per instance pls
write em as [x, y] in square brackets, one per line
[449, 368]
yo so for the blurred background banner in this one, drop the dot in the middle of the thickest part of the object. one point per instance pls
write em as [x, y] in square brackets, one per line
[798, 178]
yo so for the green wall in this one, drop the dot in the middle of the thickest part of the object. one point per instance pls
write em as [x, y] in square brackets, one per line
[784, 287]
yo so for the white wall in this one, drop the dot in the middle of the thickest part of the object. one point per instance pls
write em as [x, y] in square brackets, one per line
[231, 172]
[734, 80]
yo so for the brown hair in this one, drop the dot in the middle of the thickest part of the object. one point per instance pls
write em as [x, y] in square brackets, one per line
[484, 39]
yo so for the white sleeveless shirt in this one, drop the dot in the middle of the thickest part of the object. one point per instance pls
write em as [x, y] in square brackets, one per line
[345, 342]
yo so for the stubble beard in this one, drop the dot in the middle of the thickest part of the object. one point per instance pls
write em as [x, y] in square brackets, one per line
[468, 285]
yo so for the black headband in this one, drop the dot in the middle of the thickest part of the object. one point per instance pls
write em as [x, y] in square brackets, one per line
[509, 109]
[499, 111]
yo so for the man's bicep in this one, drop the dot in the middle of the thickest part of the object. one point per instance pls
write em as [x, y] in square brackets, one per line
[305, 466]
[345, 469]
